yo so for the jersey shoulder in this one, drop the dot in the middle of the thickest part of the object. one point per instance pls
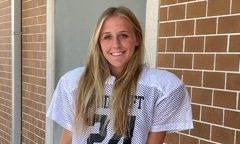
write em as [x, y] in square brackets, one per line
[163, 80]
[72, 77]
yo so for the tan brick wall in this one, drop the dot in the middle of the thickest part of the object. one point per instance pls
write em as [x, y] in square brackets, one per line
[199, 41]
[5, 72]
[33, 71]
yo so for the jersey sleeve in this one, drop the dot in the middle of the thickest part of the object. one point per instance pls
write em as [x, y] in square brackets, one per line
[173, 112]
[61, 107]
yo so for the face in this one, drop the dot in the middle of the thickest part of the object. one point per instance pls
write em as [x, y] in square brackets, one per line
[117, 41]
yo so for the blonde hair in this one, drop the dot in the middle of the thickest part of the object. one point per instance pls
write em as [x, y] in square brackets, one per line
[91, 85]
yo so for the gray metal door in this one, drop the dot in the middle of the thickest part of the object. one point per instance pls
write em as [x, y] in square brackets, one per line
[74, 22]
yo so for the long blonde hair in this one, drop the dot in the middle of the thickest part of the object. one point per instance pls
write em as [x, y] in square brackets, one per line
[91, 85]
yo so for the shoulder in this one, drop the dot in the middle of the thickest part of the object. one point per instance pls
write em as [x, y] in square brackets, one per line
[163, 80]
[74, 73]
[72, 77]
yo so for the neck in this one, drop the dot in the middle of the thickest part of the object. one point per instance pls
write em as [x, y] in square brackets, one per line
[116, 72]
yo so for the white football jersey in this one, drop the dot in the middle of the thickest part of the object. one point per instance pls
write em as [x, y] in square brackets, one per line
[161, 104]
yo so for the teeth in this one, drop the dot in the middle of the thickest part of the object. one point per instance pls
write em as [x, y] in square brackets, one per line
[116, 53]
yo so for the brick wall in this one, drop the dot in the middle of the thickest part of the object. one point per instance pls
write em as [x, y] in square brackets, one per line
[33, 71]
[199, 41]
[5, 71]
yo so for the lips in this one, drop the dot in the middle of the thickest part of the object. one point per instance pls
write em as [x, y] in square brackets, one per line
[117, 53]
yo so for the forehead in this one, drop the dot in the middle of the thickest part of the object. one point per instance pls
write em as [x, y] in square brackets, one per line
[116, 22]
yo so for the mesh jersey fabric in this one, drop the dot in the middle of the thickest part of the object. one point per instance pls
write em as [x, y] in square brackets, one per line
[161, 104]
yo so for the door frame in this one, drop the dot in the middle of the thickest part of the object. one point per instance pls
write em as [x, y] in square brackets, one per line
[50, 66]
[151, 36]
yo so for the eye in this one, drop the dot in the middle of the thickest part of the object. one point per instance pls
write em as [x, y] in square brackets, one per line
[123, 36]
[107, 37]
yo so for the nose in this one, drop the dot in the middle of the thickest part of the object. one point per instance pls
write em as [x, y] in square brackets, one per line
[116, 42]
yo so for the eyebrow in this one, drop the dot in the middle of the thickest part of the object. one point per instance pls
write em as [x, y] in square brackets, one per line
[118, 32]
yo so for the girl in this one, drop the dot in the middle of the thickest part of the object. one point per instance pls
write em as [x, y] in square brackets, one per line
[116, 99]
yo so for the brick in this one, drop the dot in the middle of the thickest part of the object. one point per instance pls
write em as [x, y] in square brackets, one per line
[163, 14]
[174, 44]
[43, 28]
[206, 26]
[32, 46]
[229, 24]
[185, 28]
[227, 62]
[238, 137]
[172, 138]
[188, 140]
[5, 4]
[34, 72]
[30, 21]
[41, 19]
[29, 5]
[167, 29]
[33, 80]
[165, 60]
[194, 44]
[225, 99]
[212, 115]
[5, 33]
[167, 2]
[5, 25]
[5, 18]
[5, 82]
[5, 68]
[196, 10]
[235, 6]
[233, 81]
[201, 130]
[31, 30]
[5, 46]
[234, 45]
[193, 78]
[202, 96]
[183, 61]
[204, 61]
[5, 75]
[232, 119]
[214, 79]
[161, 45]
[222, 135]
[5, 61]
[218, 7]
[196, 112]
[6, 89]
[176, 12]
[41, 2]
[6, 10]
[5, 40]
[34, 12]
[216, 44]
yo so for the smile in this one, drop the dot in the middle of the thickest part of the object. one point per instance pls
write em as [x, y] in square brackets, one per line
[117, 53]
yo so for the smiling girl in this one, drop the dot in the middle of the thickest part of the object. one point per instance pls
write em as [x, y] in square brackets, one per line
[116, 98]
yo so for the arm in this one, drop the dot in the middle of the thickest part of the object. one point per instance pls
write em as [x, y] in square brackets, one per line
[66, 137]
[156, 137]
